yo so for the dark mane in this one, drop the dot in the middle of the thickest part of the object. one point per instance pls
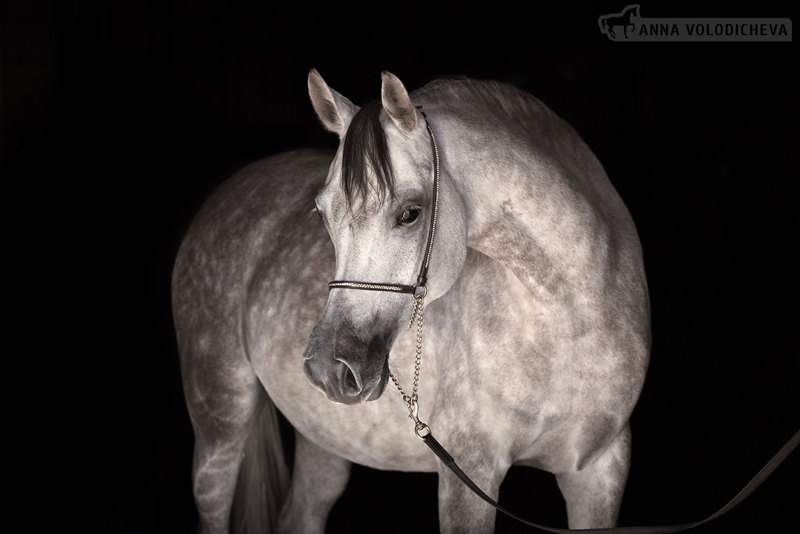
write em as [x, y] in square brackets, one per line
[365, 148]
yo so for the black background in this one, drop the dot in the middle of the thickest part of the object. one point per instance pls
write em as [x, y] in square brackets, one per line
[119, 118]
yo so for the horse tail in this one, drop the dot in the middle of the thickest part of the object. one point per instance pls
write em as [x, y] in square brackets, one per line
[263, 476]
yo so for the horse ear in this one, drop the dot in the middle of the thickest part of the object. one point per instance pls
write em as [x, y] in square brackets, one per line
[334, 111]
[397, 103]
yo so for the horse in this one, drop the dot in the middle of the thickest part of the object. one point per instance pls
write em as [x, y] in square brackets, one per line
[608, 22]
[537, 320]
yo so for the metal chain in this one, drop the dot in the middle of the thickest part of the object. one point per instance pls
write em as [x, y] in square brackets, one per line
[416, 313]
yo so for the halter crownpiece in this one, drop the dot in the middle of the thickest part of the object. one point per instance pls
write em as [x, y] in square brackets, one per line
[420, 288]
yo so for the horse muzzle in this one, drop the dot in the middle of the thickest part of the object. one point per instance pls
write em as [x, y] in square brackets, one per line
[347, 370]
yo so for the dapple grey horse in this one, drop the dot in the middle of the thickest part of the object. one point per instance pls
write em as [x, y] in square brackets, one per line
[537, 332]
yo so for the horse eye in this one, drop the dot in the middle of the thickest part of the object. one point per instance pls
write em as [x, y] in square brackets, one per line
[408, 216]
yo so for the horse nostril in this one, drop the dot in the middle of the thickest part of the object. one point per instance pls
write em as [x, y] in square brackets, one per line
[351, 385]
[312, 373]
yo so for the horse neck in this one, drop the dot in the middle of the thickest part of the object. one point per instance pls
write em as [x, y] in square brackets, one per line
[534, 196]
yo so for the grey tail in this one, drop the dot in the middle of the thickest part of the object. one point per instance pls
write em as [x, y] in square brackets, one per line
[263, 477]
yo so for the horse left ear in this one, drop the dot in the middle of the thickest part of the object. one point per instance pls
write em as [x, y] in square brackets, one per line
[397, 103]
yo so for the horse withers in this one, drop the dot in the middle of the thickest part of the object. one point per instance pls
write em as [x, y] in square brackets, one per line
[536, 311]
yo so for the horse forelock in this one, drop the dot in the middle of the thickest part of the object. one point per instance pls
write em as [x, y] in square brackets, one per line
[366, 149]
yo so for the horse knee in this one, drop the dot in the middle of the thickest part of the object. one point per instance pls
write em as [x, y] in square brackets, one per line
[593, 494]
[461, 510]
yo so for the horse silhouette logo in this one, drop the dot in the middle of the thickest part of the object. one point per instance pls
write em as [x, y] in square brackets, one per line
[625, 20]
[630, 26]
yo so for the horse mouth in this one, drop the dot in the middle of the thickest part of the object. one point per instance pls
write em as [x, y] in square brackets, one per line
[383, 379]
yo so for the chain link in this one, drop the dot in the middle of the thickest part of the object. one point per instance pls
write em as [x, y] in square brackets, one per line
[417, 314]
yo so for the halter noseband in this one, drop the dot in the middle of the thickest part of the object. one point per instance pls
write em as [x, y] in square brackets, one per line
[419, 289]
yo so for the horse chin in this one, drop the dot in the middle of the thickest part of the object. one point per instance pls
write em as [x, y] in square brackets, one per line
[379, 388]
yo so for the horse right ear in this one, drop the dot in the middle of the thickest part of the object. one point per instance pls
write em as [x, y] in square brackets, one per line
[334, 111]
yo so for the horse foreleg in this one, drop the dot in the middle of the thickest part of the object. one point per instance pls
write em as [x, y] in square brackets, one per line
[318, 480]
[460, 510]
[593, 494]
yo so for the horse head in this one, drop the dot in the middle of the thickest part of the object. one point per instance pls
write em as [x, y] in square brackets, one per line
[377, 204]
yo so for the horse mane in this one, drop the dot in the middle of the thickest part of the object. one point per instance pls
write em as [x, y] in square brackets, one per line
[498, 98]
[365, 146]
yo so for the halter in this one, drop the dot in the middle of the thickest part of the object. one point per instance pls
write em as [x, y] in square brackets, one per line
[418, 290]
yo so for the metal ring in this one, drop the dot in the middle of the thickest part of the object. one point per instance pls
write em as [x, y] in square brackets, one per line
[422, 427]
[424, 292]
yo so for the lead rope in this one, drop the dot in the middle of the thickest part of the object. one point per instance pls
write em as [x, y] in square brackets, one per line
[423, 432]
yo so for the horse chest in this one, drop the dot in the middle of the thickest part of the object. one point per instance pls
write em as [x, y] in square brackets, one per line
[377, 434]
